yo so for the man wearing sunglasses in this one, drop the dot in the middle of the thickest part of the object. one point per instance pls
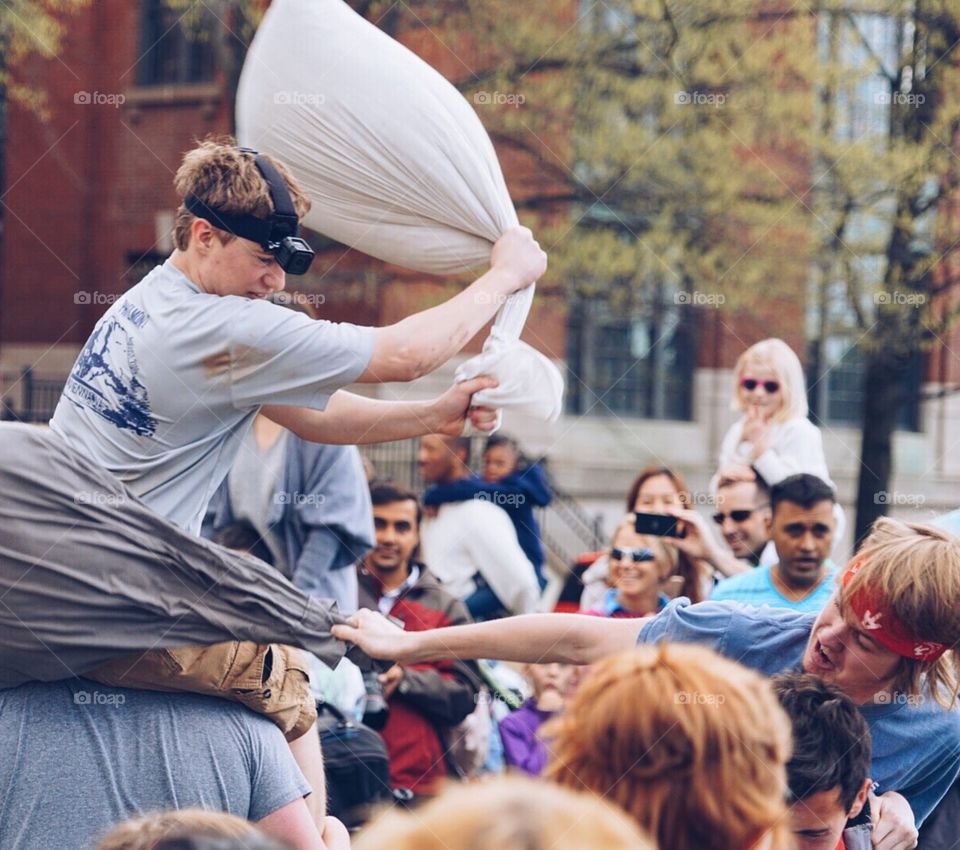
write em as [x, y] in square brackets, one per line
[801, 525]
[743, 518]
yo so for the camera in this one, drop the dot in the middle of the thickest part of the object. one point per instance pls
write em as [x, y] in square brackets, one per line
[375, 709]
[294, 255]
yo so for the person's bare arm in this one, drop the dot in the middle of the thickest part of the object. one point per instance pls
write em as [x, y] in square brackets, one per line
[418, 344]
[294, 826]
[351, 419]
[532, 638]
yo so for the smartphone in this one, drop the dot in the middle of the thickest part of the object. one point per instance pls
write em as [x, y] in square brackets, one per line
[659, 525]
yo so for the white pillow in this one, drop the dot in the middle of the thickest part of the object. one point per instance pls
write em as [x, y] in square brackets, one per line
[394, 159]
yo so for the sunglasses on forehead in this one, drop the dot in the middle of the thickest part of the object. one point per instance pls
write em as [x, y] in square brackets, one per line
[636, 555]
[750, 384]
[737, 516]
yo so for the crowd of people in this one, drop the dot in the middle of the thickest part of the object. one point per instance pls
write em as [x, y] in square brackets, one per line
[726, 684]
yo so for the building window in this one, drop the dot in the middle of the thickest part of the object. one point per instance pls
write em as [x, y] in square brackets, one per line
[636, 366]
[176, 45]
[835, 386]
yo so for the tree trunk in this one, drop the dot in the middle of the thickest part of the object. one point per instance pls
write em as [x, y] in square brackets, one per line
[881, 404]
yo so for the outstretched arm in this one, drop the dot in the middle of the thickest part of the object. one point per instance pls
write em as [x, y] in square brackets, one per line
[532, 638]
[351, 419]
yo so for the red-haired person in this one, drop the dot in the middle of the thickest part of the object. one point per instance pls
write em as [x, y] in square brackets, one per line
[698, 758]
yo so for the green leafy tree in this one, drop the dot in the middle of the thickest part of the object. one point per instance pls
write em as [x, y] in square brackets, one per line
[760, 154]
[771, 155]
[885, 144]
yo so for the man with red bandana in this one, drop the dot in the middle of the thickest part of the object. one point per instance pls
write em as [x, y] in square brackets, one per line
[888, 639]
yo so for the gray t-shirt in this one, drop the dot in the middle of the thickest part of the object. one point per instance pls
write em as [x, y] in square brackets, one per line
[77, 757]
[171, 378]
[916, 743]
[253, 484]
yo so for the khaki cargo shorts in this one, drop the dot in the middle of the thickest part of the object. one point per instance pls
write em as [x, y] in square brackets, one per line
[269, 678]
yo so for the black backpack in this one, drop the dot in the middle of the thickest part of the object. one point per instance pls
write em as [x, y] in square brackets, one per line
[357, 767]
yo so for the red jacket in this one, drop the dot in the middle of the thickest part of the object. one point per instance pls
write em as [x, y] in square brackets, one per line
[430, 695]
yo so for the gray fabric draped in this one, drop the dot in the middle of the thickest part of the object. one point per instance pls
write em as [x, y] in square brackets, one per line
[89, 573]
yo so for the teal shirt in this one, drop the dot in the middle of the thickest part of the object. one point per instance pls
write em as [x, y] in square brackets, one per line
[756, 588]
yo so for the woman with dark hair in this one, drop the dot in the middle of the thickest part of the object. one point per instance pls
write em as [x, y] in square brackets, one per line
[655, 490]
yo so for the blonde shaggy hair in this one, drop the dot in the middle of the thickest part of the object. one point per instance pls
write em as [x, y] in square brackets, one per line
[691, 744]
[144, 833]
[776, 355]
[223, 177]
[916, 569]
[506, 814]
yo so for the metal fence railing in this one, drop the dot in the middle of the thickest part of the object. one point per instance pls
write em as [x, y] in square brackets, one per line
[38, 398]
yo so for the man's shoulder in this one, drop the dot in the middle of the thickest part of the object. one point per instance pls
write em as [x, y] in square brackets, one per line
[474, 515]
[754, 579]
[740, 613]
[769, 639]
[427, 582]
[429, 592]
[477, 510]
[167, 293]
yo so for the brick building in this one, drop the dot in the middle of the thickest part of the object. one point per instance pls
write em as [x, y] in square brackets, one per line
[88, 206]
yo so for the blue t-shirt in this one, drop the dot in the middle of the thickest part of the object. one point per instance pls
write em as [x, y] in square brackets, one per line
[916, 747]
[756, 588]
[79, 757]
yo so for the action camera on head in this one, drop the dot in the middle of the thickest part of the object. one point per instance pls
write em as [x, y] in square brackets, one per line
[279, 234]
[294, 255]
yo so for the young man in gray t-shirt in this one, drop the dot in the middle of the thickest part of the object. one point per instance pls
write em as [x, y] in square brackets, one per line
[176, 370]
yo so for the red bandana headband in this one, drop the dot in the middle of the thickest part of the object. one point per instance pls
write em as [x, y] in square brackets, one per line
[878, 620]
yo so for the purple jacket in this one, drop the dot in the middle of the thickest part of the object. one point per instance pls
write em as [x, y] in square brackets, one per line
[521, 746]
